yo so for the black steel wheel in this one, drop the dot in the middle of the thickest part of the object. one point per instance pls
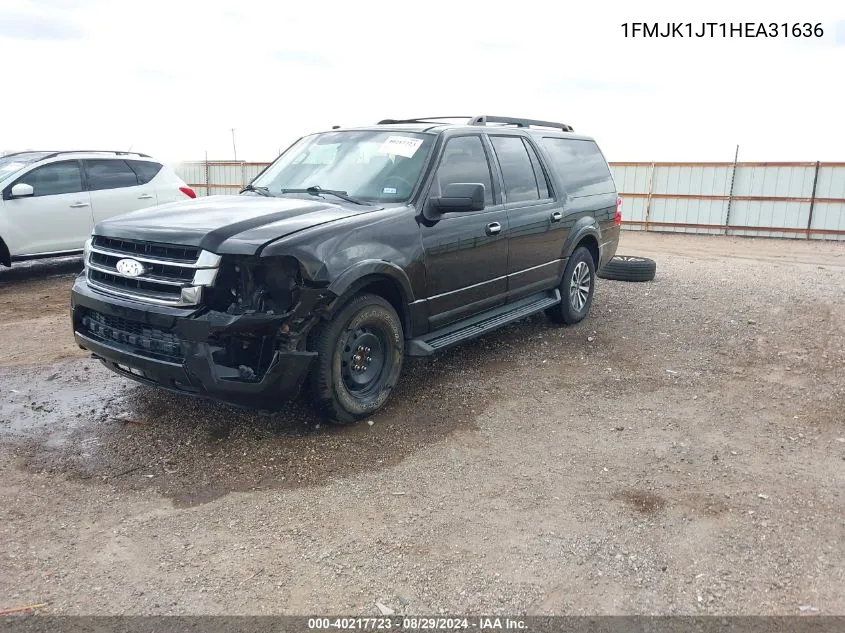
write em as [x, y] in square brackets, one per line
[363, 359]
[359, 359]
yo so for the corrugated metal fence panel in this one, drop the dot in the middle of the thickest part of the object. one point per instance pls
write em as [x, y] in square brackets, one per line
[694, 181]
[695, 212]
[829, 216]
[253, 169]
[831, 183]
[633, 210]
[631, 178]
[770, 182]
[220, 190]
[774, 180]
[222, 175]
[191, 173]
[768, 213]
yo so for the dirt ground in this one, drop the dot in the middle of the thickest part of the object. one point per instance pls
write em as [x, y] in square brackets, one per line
[680, 452]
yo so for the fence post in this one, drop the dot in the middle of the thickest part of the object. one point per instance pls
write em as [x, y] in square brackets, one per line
[813, 199]
[207, 192]
[648, 197]
[731, 192]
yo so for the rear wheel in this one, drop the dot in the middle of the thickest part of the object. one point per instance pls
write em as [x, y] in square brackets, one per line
[359, 359]
[5, 255]
[576, 289]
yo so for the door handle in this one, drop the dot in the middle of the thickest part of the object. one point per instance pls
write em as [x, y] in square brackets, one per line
[145, 196]
[493, 228]
[557, 216]
[79, 205]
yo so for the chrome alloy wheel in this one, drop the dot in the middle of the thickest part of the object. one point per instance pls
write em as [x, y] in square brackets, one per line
[579, 286]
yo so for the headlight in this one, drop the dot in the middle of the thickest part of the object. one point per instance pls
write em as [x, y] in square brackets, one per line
[255, 284]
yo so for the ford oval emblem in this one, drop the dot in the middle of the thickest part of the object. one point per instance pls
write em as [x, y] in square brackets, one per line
[130, 267]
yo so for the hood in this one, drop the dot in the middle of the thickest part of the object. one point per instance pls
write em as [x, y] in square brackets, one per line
[233, 224]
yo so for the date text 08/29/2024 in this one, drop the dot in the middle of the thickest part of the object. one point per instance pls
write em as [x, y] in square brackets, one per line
[722, 29]
[410, 623]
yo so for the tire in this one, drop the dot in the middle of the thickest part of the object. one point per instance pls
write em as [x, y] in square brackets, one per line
[576, 289]
[5, 255]
[340, 389]
[628, 268]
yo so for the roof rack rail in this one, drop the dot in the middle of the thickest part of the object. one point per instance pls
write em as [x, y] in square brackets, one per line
[101, 151]
[52, 154]
[28, 151]
[485, 119]
[425, 119]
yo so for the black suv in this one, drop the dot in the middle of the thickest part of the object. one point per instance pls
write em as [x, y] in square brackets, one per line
[353, 249]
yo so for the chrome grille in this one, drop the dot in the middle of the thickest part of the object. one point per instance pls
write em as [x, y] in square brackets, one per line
[170, 274]
[165, 273]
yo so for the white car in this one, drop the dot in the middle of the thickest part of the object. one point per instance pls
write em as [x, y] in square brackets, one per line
[52, 200]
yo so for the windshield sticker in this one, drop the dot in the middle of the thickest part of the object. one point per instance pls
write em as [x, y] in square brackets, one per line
[405, 146]
[390, 190]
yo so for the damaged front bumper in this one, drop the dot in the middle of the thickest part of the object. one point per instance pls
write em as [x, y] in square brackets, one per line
[255, 360]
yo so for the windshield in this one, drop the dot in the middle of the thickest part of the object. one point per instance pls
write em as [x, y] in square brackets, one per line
[11, 164]
[366, 165]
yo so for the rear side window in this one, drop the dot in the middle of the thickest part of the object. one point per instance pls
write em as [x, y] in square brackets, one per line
[145, 170]
[109, 174]
[54, 179]
[580, 166]
[520, 181]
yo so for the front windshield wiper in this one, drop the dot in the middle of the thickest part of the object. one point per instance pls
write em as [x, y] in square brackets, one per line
[263, 191]
[316, 190]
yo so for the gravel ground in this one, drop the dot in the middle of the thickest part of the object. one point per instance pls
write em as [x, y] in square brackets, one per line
[680, 452]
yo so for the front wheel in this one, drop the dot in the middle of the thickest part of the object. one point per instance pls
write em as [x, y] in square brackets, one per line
[359, 359]
[576, 289]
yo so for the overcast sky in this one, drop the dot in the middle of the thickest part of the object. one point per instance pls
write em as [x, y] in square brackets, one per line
[171, 78]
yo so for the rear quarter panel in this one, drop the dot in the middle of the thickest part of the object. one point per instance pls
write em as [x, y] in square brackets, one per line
[584, 179]
[167, 184]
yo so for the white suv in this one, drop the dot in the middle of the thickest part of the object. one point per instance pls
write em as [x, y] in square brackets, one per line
[52, 200]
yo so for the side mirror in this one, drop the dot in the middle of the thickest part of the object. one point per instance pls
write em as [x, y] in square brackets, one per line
[460, 196]
[22, 190]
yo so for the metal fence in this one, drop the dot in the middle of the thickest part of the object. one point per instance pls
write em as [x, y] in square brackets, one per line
[216, 177]
[789, 200]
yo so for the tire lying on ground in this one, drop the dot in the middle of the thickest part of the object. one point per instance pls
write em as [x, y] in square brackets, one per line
[629, 268]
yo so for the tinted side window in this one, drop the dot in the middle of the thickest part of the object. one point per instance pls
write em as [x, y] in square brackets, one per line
[55, 178]
[464, 160]
[520, 182]
[145, 170]
[579, 165]
[542, 179]
[109, 174]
